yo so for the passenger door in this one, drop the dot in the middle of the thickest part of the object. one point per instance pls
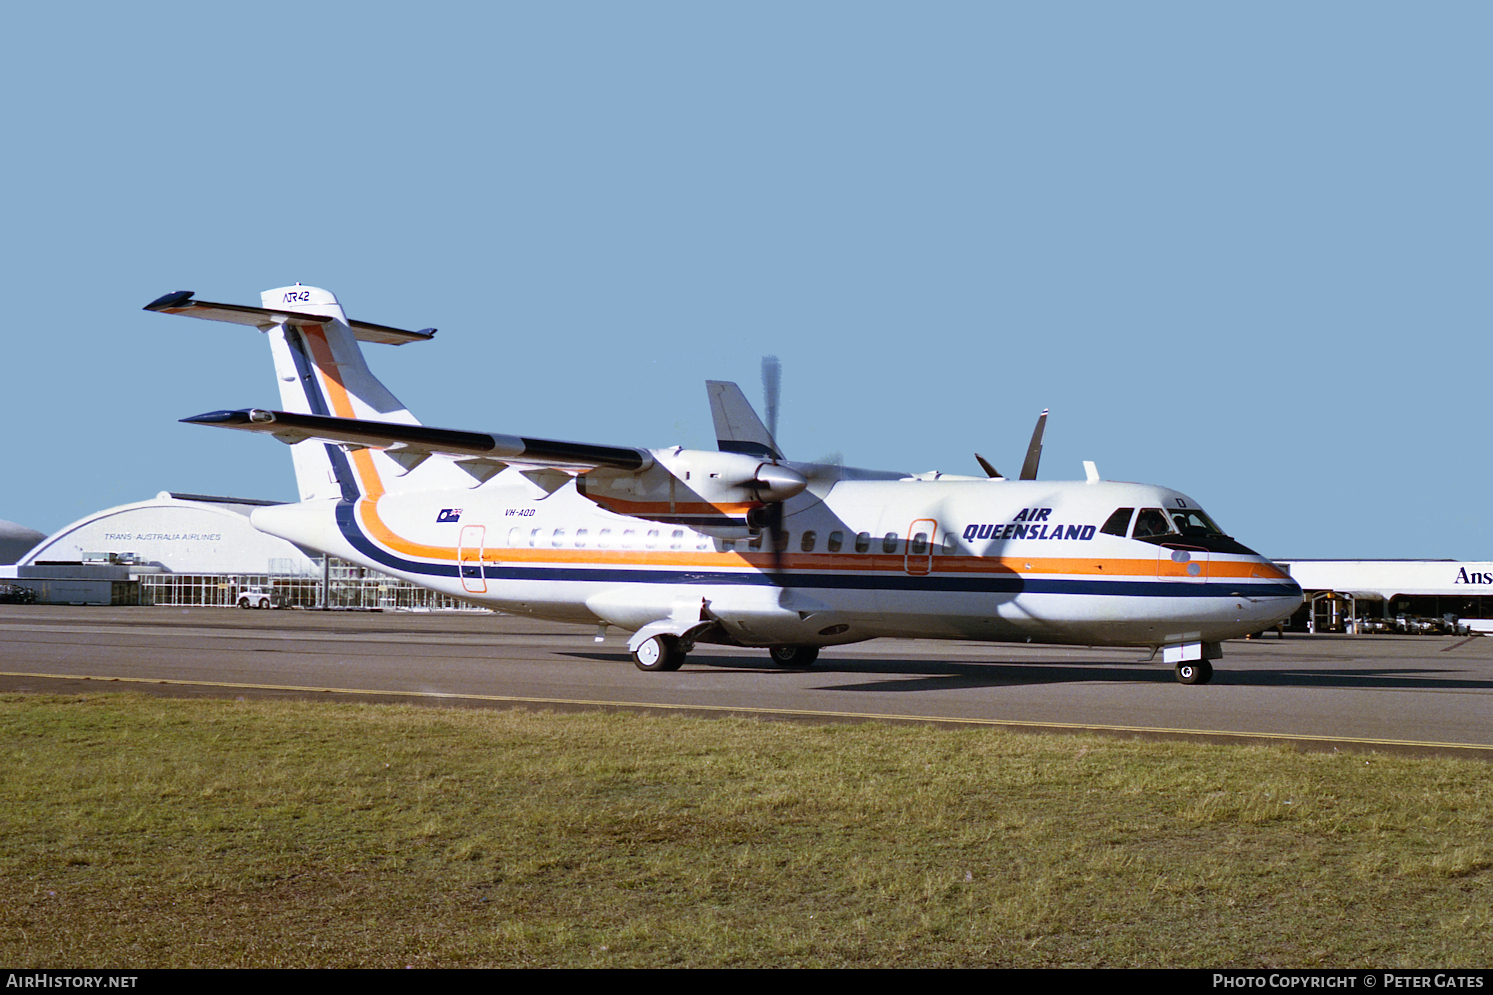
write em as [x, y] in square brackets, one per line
[469, 559]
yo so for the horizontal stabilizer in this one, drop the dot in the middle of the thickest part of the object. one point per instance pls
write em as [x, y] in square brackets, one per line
[181, 302]
[407, 440]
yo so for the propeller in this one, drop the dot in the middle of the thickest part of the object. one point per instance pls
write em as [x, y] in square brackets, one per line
[770, 516]
[772, 383]
[1033, 453]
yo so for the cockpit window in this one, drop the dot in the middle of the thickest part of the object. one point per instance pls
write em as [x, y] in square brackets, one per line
[1195, 523]
[1185, 528]
[1151, 522]
[1119, 522]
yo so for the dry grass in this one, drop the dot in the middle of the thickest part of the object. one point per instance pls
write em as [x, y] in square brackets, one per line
[144, 832]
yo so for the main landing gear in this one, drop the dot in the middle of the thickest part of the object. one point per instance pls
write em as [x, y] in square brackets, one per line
[664, 652]
[794, 657]
[661, 652]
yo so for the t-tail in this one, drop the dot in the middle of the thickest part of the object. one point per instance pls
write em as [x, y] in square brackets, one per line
[321, 373]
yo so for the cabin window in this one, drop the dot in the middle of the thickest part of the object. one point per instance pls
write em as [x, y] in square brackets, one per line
[1118, 523]
[755, 542]
[515, 536]
[676, 539]
[702, 543]
[629, 537]
[780, 541]
[651, 540]
[1151, 522]
[950, 543]
[580, 538]
[807, 542]
[534, 536]
[836, 541]
[558, 539]
[889, 542]
[863, 542]
[919, 544]
[604, 539]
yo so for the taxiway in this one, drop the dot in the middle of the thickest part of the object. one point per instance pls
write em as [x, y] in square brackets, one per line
[1367, 692]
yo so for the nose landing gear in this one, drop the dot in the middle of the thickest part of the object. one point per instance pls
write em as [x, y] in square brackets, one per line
[1195, 672]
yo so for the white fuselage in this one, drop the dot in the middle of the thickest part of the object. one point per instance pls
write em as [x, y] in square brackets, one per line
[994, 560]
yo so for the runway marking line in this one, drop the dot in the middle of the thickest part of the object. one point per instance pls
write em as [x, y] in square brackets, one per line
[796, 712]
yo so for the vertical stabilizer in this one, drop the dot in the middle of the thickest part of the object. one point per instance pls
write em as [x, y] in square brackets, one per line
[321, 371]
[737, 427]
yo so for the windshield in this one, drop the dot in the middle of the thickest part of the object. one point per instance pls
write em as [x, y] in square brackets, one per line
[1186, 528]
[1195, 523]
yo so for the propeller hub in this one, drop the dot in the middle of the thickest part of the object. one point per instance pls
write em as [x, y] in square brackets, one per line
[774, 482]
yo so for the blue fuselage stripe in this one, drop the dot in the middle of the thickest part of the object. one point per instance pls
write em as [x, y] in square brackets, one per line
[827, 580]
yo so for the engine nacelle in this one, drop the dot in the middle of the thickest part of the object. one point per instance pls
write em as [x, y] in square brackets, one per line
[705, 490]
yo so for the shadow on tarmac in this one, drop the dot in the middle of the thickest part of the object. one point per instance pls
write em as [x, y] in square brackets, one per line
[926, 675]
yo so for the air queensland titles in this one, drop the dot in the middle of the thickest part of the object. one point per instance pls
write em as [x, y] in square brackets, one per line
[1030, 523]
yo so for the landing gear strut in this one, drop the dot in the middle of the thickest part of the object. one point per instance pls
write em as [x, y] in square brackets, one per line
[659, 652]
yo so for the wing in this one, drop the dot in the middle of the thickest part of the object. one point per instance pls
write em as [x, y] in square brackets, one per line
[412, 443]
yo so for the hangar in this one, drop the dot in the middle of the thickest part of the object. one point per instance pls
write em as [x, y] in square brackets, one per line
[195, 549]
[16, 541]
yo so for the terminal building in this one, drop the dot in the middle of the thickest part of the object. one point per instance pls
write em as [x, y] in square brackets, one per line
[1414, 596]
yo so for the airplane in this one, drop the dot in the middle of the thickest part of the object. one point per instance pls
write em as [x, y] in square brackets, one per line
[739, 546]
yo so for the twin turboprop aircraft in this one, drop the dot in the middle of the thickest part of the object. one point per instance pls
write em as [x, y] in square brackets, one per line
[739, 546]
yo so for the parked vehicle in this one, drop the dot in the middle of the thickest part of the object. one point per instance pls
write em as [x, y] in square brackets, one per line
[259, 597]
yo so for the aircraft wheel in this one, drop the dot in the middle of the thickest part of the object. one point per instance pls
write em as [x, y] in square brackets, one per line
[659, 653]
[243, 602]
[1195, 672]
[797, 657]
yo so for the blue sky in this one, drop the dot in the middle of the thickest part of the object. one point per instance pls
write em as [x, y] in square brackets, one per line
[1241, 250]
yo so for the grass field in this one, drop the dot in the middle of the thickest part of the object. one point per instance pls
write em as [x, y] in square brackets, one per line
[148, 832]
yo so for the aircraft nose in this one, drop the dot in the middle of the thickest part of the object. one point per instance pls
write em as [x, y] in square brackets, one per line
[1278, 605]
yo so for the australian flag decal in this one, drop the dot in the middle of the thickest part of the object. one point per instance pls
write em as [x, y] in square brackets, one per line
[448, 515]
